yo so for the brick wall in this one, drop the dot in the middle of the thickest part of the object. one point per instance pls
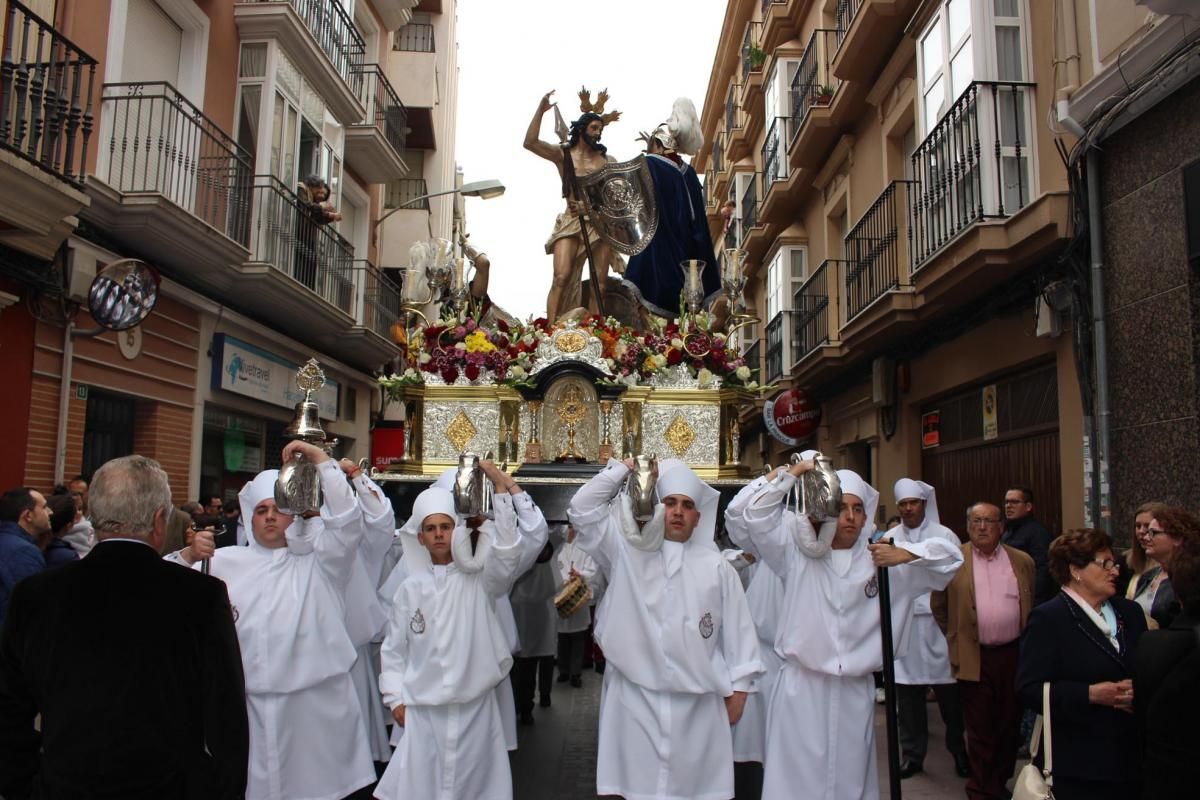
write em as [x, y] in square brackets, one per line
[43, 433]
[164, 433]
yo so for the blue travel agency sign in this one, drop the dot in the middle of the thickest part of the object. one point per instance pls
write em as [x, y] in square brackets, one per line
[247, 370]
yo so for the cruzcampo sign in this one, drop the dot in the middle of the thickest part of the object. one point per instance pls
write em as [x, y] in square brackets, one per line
[791, 417]
[244, 369]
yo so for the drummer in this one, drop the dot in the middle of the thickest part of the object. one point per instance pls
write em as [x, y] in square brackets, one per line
[575, 604]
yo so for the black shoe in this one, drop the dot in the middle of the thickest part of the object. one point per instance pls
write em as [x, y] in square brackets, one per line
[526, 718]
[576, 681]
[910, 768]
[563, 677]
[544, 702]
[962, 766]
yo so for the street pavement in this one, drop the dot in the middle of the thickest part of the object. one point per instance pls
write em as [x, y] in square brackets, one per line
[557, 755]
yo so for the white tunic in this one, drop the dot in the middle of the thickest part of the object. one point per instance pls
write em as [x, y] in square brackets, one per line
[820, 719]
[927, 658]
[678, 638]
[306, 729]
[532, 599]
[442, 659]
[764, 597]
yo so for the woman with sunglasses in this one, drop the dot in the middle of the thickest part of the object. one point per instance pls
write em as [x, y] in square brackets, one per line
[1160, 539]
[1083, 643]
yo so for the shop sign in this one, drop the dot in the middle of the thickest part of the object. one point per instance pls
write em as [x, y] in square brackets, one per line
[931, 429]
[790, 417]
[247, 370]
[990, 428]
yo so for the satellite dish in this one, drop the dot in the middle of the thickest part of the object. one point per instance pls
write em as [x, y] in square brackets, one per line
[123, 294]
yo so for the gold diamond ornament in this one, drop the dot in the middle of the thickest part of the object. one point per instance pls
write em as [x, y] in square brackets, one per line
[680, 435]
[570, 342]
[460, 431]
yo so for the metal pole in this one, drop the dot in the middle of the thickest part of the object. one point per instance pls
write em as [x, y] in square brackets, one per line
[889, 680]
[1100, 449]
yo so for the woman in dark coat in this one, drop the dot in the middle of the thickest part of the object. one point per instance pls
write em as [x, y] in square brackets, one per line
[1083, 642]
[63, 512]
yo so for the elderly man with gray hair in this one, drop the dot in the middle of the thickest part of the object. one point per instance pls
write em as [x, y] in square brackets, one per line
[132, 663]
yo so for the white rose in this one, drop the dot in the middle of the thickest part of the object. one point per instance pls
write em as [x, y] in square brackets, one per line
[424, 358]
[742, 373]
[704, 376]
[677, 343]
[516, 372]
[460, 346]
[527, 338]
[660, 360]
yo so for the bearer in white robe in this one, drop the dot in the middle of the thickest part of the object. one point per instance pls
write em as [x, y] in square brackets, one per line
[366, 614]
[287, 588]
[677, 635]
[927, 658]
[820, 719]
[532, 600]
[573, 636]
[443, 657]
[764, 597]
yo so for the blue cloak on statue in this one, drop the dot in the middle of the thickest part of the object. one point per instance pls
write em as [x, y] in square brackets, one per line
[654, 274]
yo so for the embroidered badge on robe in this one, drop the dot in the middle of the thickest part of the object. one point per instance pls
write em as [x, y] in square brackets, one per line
[417, 623]
[872, 587]
[706, 625]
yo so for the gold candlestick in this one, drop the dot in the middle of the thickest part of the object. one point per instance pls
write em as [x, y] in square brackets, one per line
[606, 448]
[533, 448]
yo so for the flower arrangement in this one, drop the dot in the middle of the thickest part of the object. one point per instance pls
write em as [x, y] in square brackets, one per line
[458, 350]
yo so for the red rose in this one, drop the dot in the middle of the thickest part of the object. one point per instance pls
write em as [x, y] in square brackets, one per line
[674, 357]
[450, 374]
[502, 325]
[472, 372]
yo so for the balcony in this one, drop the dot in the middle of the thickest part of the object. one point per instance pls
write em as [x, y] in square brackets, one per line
[974, 165]
[775, 169]
[373, 147]
[816, 317]
[878, 251]
[868, 32]
[412, 66]
[753, 356]
[411, 222]
[753, 56]
[778, 23]
[321, 40]
[780, 333]
[377, 307]
[171, 183]
[415, 37]
[300, 277]
[814, 97]
[737, 140]
[719, 166]
[749, 206]
[45, 124]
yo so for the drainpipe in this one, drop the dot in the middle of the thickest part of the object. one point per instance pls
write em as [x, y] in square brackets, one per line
[64, 401]
[1100, 449]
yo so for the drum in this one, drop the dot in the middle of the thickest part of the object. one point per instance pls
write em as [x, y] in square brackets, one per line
[574, 595]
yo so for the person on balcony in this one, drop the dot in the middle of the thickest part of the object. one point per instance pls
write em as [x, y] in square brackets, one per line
[315, 210]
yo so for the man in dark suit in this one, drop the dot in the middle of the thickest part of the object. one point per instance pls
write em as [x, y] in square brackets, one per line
[132, 663]
[1024, 532]
[982, 612]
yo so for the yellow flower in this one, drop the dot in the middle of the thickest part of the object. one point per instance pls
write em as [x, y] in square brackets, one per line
[477, 342]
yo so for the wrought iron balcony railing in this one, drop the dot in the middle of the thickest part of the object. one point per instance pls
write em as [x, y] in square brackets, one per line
[718, 152]
[752, 55]
[750, 206]
[733, 111]
[415, 37]
[384, 109]
[159, 143]
[753, 356]
[878, 258]
[710, 187]
[815, 307]
[287, 236]
[775, 166]
[401, 194]
[814, 83]
[844, 16]
[973, 165]
[44, 79]
[779, 346]
[380, 299]
[336, 35]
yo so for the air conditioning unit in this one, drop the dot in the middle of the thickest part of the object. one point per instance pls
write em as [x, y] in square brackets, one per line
[1048, 309]
[883, 384]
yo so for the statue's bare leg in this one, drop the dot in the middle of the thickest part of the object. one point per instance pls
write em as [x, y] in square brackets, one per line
[565, 250]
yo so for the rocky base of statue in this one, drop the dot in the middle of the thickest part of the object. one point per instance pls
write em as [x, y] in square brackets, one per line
[619, 302]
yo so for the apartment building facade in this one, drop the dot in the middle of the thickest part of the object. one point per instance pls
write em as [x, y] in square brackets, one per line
[885, 165]
[181, 132]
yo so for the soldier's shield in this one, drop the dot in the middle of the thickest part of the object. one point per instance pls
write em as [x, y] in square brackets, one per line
[620, 197]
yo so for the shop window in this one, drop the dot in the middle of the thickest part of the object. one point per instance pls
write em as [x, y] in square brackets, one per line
[108, 429]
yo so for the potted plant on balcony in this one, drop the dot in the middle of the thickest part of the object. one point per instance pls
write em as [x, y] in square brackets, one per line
[822, 95]
[758, 57]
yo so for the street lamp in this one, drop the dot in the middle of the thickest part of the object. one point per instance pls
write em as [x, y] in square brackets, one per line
[486, 189]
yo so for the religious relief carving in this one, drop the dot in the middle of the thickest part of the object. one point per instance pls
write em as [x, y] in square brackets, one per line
[460, 431]
[679, 435]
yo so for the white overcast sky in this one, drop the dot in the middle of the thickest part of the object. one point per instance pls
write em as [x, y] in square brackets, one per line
[646, 52]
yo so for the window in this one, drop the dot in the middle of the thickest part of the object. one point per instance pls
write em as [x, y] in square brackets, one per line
[776, 101]
[785, 276]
